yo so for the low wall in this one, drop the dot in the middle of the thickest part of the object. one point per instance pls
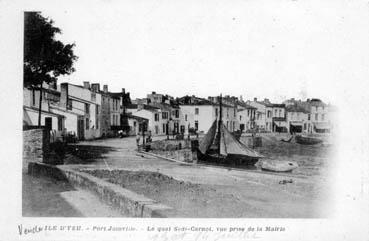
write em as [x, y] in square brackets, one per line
[170, 145]
[184, 155]
[181, 150]
[36, 145]
[127, 202]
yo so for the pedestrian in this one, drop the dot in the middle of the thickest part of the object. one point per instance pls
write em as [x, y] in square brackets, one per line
[138, 139]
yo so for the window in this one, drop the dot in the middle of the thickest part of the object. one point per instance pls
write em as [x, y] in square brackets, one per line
[60, 123]
[163, 128]
[275, 112]
[196, 111]
[87, 123]
[316, 117]
[165, 115]
[177, 114]
[33, 98]
[280, 113]
[97, 109]
[308, 116]
[304, 126]
[186, 117]
[196, 125]
[156, 117]
[248, 112]
[87, 109]
[69, 104]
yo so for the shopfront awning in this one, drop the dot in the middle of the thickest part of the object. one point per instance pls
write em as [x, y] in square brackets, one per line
[296, 123]
[280, 123]
[322, 125]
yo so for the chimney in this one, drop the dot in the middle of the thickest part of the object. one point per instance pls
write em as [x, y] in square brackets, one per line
[123, 90]
[86, 84]
[255, 99]
[63, 95]
[105, 88]
[95, 87]
[153, 92]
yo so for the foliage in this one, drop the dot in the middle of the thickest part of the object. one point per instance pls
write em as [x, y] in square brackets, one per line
[45, 58]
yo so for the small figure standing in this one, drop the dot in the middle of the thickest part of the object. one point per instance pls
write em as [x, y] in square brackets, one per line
[138, 139]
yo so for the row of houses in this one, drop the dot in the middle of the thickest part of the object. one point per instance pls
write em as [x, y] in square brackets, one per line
[81, 111]
[88, 112]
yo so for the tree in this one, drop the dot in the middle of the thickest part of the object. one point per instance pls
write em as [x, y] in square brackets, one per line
[45, 58]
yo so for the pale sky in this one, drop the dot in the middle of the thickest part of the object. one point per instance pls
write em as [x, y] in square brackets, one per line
[273, 49]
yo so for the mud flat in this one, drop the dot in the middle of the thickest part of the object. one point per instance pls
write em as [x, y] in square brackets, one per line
[207, 201]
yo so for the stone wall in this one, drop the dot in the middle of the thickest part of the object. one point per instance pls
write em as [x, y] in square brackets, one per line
[180, 150]
[170, 145]
[36, 144]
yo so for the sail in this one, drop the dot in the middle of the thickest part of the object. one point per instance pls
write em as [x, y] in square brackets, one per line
[208, 138]
[234, 146]
[228, 145]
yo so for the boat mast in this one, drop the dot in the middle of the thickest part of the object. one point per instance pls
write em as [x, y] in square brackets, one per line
[220, 122]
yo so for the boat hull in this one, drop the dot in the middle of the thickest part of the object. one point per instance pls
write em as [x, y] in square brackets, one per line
[229, 160]
[278, 166]
[304, 140]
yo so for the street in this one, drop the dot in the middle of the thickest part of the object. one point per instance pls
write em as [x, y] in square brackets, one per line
[248, 193]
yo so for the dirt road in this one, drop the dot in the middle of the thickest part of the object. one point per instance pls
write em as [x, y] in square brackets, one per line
[248, 194]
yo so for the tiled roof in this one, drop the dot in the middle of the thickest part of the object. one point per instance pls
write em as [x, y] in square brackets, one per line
[244, 105]
[199, 101]
[129, 115]
[296, 108]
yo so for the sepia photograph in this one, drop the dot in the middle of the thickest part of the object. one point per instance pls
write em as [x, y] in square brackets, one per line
[158, 155]
[226, 120]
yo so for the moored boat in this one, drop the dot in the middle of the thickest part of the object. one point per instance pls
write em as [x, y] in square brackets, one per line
[278, 166]
[219, 145]
[307, 140]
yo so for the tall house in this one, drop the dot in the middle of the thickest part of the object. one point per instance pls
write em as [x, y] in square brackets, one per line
[229, 104]
[54, 121]
[261, 114]
[81, 106]
[319, 116]
[169, 113]
[156, 124]
[199, 114]
[297, 119]
[246, 116]
[279, 118]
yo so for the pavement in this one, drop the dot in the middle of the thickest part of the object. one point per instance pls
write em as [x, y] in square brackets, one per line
[261, 193]
[46, 197]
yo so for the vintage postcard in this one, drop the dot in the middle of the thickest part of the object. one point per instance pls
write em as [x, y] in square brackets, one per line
[186, 120]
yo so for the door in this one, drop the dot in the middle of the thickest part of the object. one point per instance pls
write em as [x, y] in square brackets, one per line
[48, 123]
[80, 128]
